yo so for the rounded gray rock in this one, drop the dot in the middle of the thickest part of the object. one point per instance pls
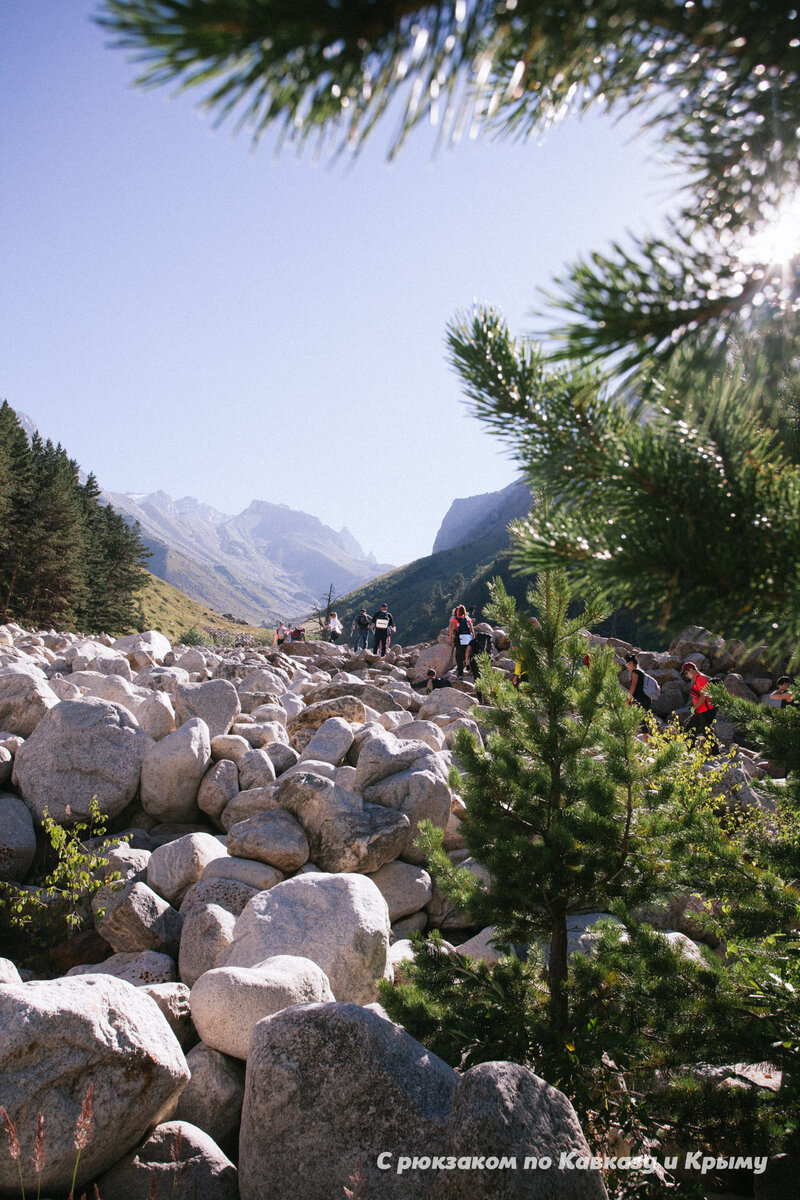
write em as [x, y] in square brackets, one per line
[60, 1037]
[274, 838]
[212, 1099]
[216, 702]
[228, 1002]
[80, 749]
[331, 1084]
[25, 697]
[182, 1159]
[340, 922]
[503, 1109]
[172, 771]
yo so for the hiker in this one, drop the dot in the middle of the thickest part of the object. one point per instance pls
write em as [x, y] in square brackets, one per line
[282, 634]
[359, 630]
[783, 692]
[432, 681]
[461, 633]
[335, 627]
[636, 693]
[703, 708]
[383, 625]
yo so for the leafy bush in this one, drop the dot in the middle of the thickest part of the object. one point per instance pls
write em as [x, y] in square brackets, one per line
[57, 903]
[193, 637]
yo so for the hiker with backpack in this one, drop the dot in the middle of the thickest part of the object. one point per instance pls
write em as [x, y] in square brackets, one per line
[383, 625]
[359, 630]
[643, 690]
[461, 633]
[481, 644]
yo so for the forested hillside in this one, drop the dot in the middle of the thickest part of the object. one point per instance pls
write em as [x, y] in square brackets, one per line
[65, 558]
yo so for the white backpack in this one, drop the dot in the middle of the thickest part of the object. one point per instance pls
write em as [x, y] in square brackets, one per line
[650, 686]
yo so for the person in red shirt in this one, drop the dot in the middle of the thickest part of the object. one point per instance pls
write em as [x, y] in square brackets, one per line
[703, 710]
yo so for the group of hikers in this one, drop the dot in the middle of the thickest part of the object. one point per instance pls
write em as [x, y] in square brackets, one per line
[644, 689]
[467, 645]
[381, 624]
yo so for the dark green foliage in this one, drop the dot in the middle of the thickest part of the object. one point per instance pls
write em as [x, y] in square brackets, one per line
[655, 1013]
[64, 558]
[681, 502]
[468, 1012]
[556, 794]
[570, 812]
[772, 837]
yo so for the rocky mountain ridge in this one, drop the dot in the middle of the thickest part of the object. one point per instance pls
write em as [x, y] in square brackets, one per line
[481, 516]
[272, 560]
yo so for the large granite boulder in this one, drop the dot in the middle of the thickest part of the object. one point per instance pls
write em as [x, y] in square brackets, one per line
[151, 643]
[216, 702]
[59, 1038]
[230, 894]
[17, 839]
[383, 755]
[419, 794]
[259, 876]
[172, 771]
[81, 749]
[218, 787]
[173, 1002]
[138, 967]
[330, 743]
[307, 722]
[207, 933]
[344, 833]
[228, 1002]
[256, 770]
[406, 888]
[142, 920]
[212, 1099]
[273, 837]
[445, 700]
[330, 1086]
[340, 922]
[369, 694]
[502, 1110]
[25, 697]
[173, 867]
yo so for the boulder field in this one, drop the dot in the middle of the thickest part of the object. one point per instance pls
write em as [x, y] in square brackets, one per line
[218, 1031]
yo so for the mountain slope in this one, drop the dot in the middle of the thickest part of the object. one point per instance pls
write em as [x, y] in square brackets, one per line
[482, 516]
[266, 562]
[473, 550]
[167, 609]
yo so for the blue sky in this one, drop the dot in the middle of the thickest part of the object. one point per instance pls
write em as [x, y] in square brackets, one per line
[187, 313]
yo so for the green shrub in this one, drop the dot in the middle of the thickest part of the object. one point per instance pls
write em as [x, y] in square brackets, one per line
[57, 902]
[193, 637]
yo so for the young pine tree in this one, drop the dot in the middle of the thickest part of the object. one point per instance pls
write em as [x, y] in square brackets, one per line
[569, 811]
[563, 810]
